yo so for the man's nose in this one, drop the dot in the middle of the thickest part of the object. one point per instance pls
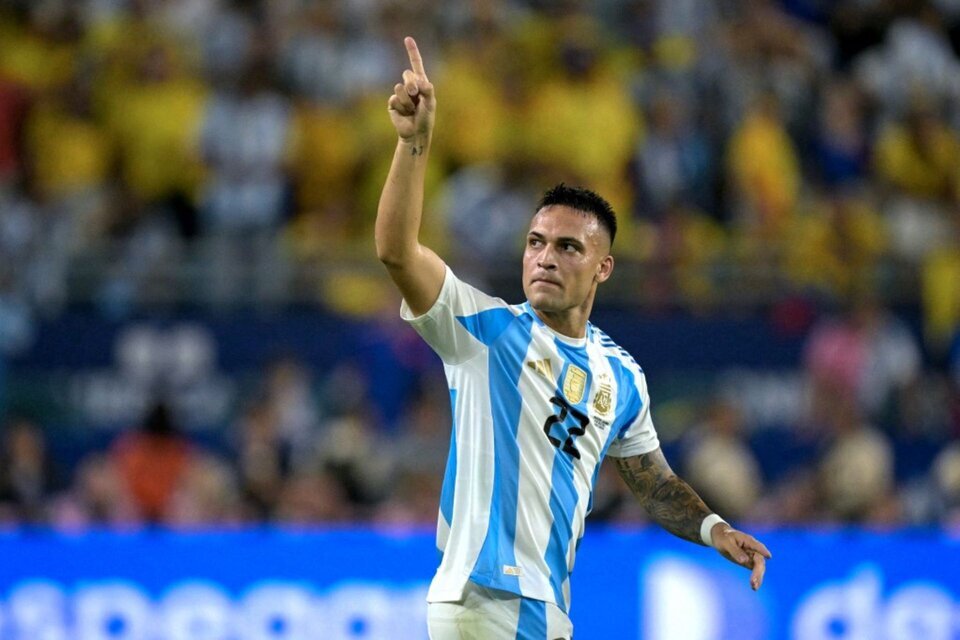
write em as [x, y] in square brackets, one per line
[547, 258]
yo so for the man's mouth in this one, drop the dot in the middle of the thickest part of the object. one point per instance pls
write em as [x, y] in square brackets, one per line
[546, 281]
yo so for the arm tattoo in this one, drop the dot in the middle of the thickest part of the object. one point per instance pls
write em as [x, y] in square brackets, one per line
[669, 500]
[416, 150]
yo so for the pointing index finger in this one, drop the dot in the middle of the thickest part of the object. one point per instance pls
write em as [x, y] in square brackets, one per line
[416, 62]
[759, 568]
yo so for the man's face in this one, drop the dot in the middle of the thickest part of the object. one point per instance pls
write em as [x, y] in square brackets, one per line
[567, 252]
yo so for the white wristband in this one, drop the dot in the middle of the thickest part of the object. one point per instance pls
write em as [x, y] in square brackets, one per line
[706, 528]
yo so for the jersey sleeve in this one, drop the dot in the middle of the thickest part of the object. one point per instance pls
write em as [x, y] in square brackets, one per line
[637, 435]
[450, 326]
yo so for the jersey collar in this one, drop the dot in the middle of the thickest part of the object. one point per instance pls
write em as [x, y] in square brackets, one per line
[573, 342]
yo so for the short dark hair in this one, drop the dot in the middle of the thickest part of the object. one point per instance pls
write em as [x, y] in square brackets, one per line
[583, 200]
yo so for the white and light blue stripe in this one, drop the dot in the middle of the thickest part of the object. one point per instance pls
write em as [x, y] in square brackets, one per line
[513, 505]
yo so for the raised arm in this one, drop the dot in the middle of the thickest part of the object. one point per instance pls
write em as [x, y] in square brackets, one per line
[675, 506]
[417, 271]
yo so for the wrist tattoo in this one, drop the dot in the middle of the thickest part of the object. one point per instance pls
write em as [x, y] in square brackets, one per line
[669, 500]
[416, 149]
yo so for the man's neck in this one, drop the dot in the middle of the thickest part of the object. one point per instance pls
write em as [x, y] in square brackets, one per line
[571, 323]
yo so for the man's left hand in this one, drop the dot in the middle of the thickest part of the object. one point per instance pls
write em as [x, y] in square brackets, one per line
[742, 549]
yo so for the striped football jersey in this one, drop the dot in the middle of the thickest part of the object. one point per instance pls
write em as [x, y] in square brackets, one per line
[534, 413]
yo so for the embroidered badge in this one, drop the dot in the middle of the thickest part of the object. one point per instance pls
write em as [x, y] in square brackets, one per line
[574, 384]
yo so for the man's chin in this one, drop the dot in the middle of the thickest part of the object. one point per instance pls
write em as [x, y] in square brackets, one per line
[544, 304]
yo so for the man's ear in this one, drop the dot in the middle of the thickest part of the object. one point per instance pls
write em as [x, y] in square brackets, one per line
[605, 269]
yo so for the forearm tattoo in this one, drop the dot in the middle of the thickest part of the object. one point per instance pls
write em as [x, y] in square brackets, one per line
[669, 500]
[416, 149]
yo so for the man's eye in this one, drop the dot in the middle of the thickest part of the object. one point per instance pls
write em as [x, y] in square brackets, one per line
[533, 242]
[569, 247]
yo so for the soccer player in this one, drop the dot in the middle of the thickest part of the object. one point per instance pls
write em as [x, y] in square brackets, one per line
[539, 397]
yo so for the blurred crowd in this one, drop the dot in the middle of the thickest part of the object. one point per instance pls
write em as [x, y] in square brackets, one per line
[814, 141]
[296, 453]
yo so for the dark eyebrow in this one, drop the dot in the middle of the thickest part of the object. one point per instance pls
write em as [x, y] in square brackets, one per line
[572, 241]
[561, 240]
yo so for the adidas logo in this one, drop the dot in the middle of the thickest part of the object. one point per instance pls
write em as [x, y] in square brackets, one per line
[543, 367]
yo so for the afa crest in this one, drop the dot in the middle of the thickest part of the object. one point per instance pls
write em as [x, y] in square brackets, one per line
[603, 400]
